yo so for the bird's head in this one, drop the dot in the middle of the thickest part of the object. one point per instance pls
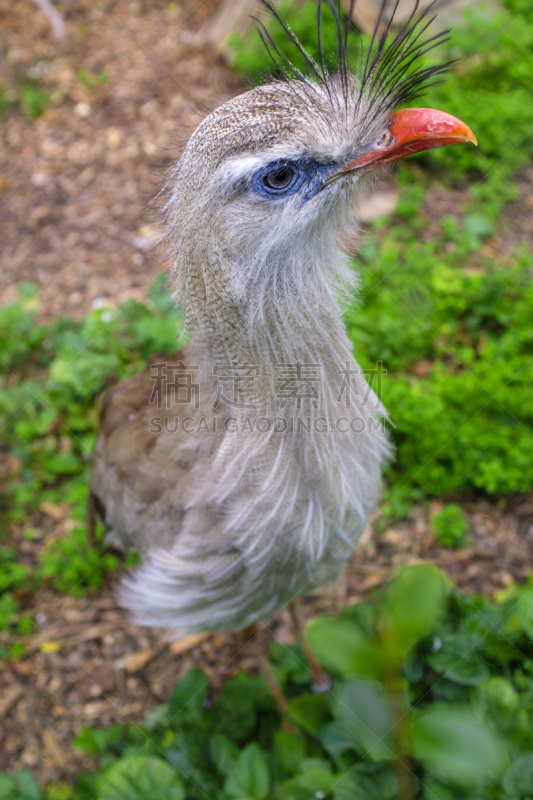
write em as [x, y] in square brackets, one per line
[265, 187]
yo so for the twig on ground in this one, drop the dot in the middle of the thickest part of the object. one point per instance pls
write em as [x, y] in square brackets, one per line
[54, 18]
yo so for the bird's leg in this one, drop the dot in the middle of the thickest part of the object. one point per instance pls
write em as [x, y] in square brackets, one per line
[342, 589]
[265, 669]
[271, 681]
[321, 681]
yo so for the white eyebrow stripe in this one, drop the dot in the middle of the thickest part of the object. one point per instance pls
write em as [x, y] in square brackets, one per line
[240, 166]
[243, 166]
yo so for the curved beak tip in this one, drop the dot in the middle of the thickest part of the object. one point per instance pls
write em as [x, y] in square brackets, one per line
[427, 125]
[414, 130]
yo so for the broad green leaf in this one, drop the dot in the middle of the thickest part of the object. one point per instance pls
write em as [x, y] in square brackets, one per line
[181, 758]
[188, 697]
[159, 334]
[459, 658]
[343, 648]
[288, 663]
[336, 738]
[362, 710]
[224, 752]
[290, 750]
[62, 463]
[433, 790]
[315, 775]
[525, 612]
[499, 694]
[249, 777]
[346, 787]
[467, 670]
[94, 741]
[85, 373]
[291, 790]
[518, 779]
[20, 786]
[59, 791]
[140, 778]
[310, 712]
[357, 784]
[456, 746]
[238, 704]
[414, 604]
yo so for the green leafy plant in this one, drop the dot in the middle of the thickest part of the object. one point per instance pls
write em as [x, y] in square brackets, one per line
[20, 786]
[50, 380]
[72, 567]
[6, 103]
[248, 55]
[92, 81]
[450, 526]
[34, 100]
[489, 86]
[141, 778]
[432, 697]
[470, 330]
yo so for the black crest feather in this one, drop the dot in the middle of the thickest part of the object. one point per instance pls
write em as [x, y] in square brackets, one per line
[390, 72]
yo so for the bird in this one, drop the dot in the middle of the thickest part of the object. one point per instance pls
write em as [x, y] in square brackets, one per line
[244, 467]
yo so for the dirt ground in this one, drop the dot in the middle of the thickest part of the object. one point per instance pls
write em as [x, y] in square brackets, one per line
[75, 184]
[74, 218]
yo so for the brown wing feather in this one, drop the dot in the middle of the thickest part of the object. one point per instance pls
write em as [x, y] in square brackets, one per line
[137, 473]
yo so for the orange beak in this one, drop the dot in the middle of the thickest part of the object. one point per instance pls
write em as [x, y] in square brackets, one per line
[413, 130]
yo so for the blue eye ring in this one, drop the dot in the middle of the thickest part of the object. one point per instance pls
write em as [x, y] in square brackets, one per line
[278, 179]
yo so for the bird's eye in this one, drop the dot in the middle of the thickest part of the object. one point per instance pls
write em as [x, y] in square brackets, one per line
[279, 178]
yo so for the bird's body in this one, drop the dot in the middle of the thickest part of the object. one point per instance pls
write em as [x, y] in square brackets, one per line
[252, 483]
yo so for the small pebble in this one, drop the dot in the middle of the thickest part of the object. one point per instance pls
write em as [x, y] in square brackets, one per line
[83, 110]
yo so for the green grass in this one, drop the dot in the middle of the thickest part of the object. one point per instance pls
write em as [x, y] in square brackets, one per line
[432, 699]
